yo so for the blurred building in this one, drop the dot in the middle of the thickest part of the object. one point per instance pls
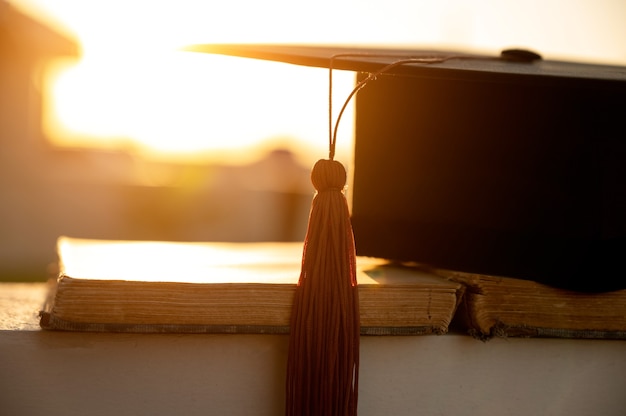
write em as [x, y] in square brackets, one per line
[47, 191]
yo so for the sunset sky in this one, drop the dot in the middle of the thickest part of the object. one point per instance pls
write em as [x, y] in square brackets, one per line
[133, 86]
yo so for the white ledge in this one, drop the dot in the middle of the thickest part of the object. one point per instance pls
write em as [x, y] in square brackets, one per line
[48, 373]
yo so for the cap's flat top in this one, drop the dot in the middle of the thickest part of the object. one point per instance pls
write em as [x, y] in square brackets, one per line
[430, 63]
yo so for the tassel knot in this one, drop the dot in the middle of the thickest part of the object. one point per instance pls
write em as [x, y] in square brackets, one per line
[328, 175]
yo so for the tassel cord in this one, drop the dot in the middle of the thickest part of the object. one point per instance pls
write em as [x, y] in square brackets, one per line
[402, 60]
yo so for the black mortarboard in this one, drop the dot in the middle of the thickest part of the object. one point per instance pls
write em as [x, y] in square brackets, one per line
[507, 164]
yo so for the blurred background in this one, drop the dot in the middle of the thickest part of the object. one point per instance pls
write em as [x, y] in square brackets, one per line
[109, 130]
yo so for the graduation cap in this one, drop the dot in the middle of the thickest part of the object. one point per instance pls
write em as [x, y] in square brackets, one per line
[508, 165]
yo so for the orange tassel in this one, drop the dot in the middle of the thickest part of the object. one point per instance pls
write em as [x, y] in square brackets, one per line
[323, 357]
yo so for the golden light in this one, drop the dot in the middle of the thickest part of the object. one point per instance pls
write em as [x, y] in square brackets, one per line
[134, 88]
[193, 106]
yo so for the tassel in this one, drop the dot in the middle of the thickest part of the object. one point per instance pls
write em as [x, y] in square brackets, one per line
[323, 356]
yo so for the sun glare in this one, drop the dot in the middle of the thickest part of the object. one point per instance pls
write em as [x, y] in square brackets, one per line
[190, 105]
[149, 96]
[134, 87]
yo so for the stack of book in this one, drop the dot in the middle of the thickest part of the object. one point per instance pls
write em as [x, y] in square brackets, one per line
[144, 286]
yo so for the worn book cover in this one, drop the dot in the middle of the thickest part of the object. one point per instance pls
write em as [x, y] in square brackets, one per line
[150, 286]
[507, 307]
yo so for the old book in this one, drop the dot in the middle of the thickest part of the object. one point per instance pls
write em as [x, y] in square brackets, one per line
[509, 307]
[142, 286]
